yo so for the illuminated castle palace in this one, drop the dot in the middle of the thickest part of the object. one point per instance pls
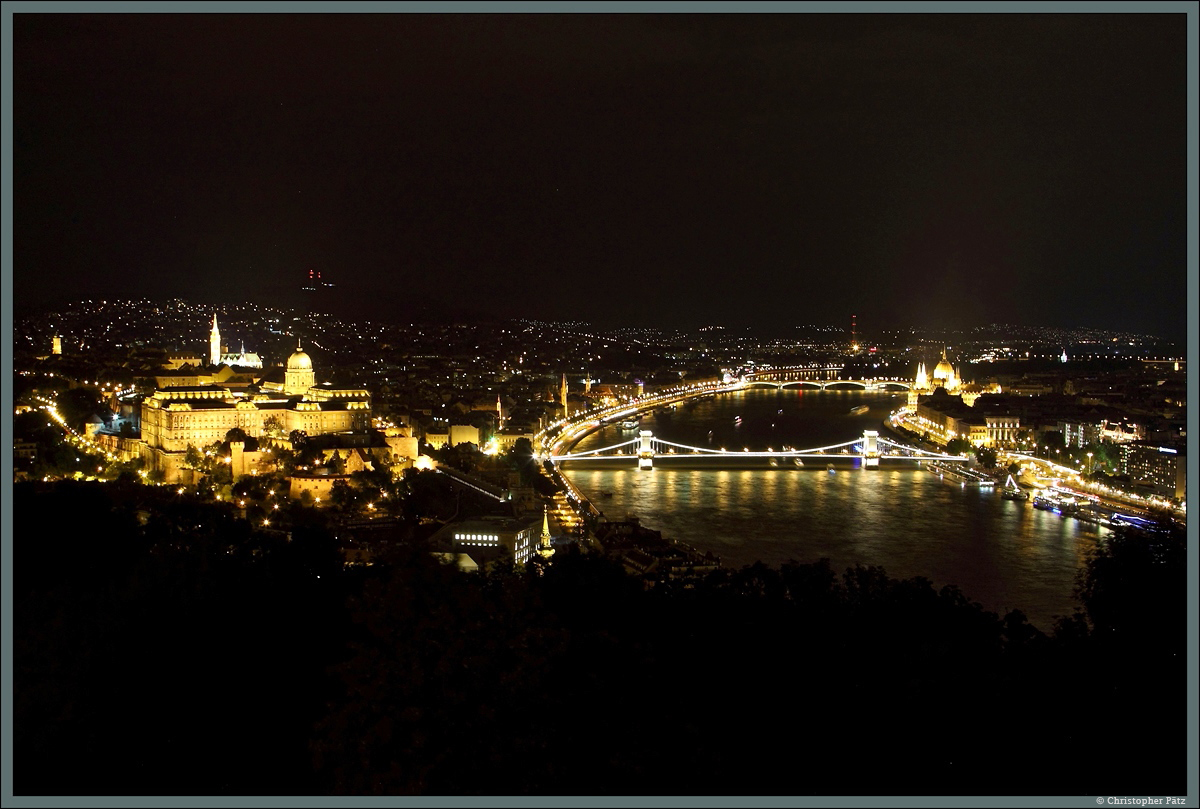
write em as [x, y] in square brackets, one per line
[283, 399]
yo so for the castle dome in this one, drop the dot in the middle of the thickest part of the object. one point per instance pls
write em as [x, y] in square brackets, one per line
[299, 361]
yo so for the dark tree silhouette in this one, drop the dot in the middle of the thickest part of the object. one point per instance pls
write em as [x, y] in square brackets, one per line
[164, 646]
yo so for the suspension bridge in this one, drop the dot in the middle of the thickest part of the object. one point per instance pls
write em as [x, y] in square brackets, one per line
[870, 448]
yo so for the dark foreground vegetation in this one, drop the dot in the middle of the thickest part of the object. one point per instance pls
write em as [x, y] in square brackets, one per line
[184, 653]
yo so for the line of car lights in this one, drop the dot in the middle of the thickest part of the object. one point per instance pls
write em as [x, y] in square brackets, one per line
[592, 419]
[571, 429]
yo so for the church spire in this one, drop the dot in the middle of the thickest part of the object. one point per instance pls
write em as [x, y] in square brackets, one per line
[214, 343]
[544, 547]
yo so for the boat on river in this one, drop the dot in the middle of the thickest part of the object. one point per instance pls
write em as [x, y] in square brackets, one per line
[858, 411]
[1012, 491]
[631, 424]
[832, 471]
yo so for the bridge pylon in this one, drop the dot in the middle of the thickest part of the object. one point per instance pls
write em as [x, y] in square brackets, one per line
[870, 448]
[646, 450]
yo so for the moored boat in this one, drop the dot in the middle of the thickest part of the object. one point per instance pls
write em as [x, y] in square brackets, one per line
[1013, 491]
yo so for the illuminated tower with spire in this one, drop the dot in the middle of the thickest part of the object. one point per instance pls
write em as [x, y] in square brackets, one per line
[922, 380]
[853, 333]
[563, 396]
[544, 547]
[499, 413]
[214, 343]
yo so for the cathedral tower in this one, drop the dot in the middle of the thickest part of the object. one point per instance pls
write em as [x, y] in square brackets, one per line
[214, 343]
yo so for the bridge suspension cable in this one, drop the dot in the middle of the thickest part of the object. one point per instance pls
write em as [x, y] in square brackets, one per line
[590, 452]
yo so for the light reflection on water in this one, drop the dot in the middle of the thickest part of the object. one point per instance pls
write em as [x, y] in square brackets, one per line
[1004, 554]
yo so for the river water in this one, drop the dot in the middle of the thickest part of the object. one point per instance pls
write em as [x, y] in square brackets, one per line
[1004, 554]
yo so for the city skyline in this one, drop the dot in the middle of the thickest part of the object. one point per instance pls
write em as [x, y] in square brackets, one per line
[623, 169]
[484, 404]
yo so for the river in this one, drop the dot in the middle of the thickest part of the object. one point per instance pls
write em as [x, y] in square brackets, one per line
[1004, 554]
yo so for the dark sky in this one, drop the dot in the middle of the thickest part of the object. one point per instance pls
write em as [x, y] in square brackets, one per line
[627, 169]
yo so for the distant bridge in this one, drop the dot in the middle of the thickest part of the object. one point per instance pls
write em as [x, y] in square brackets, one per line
[819, 378]
[645, 448]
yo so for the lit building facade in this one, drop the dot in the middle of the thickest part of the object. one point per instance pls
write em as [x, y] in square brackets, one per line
[1079, 433]
[1002, 430]
[243, 359]
[490, 535]
[947, 417]
[1164, 469]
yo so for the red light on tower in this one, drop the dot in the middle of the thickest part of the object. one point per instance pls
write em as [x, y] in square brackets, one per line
[853, 333]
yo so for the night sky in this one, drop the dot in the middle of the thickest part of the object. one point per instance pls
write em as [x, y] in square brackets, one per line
[919, 170]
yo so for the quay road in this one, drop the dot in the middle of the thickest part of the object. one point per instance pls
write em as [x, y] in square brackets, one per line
[1045, 474]
[572, 510]
[560, 436]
